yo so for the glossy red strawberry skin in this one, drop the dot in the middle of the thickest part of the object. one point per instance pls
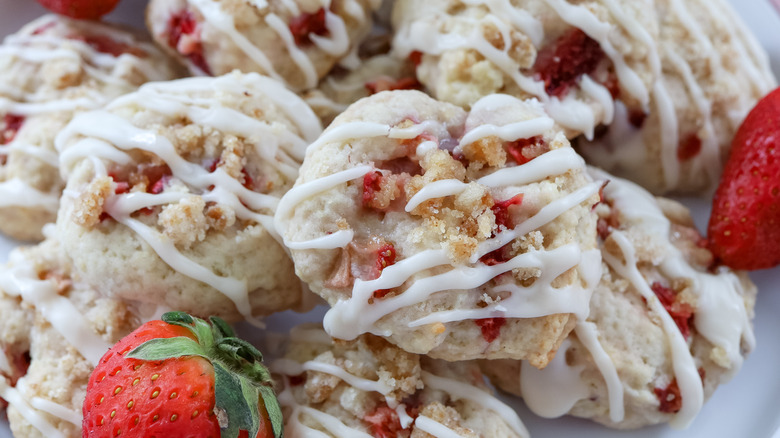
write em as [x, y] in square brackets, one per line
[744, 231]
[80, 9]
[137, 398]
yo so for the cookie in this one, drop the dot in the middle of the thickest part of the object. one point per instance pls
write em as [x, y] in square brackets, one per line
[54, 331]
[367, 387]
[296, 42]
[713, 73]
[50, 70]
[458, 235]
[172, 189]
[666, 325]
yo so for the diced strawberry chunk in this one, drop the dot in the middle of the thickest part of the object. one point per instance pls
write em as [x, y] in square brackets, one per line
[681, 313]
[561, 64]
[501, 210]
[157, 177]
[183, 24]
[384, 422]
[689, 147]
[637, 118]
[384, 84]
[12, 123]
[249, 183]
[298, 380]
[490, 327]
[415, 57]
[371, 184]
[669, 398]
[306, 24]
[385, 257]
[520, 149]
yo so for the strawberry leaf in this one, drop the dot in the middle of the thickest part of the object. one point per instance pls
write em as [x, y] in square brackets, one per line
[222, 327]
[273, 409]
[166, 348]
[231, 399]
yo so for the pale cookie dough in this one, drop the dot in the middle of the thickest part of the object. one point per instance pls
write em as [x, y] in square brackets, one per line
[294, 41]
[51, 69]
[713, 72]
[417, 221]
[54, 330]
[369, 388]
[666, 325]
[576, 58]
[172, 190]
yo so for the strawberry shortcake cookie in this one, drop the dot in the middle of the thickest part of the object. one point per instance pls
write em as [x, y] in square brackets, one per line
[296, 41]
[459, 235]
[51, 69]
[667, 325]
[712, 73]
[53, 331]
[172, 189]
[369, 388]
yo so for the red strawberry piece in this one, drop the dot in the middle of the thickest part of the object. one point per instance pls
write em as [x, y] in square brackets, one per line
[385, 257]
[306, 24]
[524, 150]
[501, 210]
[744, 228]
[184, 37]
[181, 377]
[384, 84]
[415, 57]
[689, 147]
[384, 422]
[372, 183]
[561, 64]
[669, 398]
[80, 9]
[681, 313]
[12, 123]
[491, 327]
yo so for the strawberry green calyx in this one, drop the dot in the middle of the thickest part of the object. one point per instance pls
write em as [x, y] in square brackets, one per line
[241, 382]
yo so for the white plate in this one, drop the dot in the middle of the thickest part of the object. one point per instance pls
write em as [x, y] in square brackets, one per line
[748, 406]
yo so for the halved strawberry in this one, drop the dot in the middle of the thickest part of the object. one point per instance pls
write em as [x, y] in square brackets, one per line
[744, 228]
[181, 377]
[80, 9]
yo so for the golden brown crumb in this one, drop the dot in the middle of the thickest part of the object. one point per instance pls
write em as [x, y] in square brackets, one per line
[489, 150]
[89, 205]
[184, 222]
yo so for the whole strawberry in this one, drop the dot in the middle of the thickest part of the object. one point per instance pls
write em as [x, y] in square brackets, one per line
[181, 377]
[744, 228]
[80, 9]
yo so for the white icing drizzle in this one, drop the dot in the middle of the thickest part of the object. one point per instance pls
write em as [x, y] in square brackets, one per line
[20, 279]
[433, 427]
[403, 417]
[101, 134]
[15, 192]
[552, 391]
[587, 333]
[70, 415]
[436, 189]
[512, 131]
[293, 368]
[688, 379]
[14, 397]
